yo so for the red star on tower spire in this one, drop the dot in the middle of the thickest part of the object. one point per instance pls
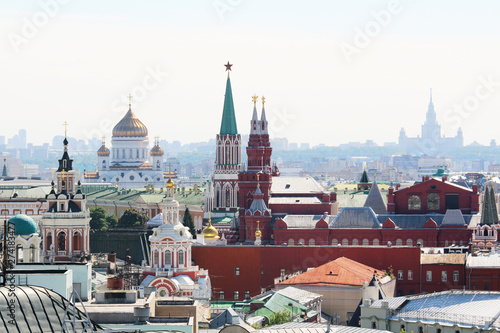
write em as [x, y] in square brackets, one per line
[228, 66]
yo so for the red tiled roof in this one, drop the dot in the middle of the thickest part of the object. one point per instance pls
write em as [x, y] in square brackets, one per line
[342, 271]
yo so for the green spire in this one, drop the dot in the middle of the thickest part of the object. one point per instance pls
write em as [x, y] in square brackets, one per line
[228, 124]
[493, 204]
[4, 172]
[364, 177]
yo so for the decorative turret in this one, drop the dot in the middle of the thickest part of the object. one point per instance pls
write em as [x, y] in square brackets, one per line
[254, 123]
[103, 155]
[157, 154]
[263, 120]
[103, 150]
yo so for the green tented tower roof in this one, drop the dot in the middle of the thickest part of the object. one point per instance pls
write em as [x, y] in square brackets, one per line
[228, 124]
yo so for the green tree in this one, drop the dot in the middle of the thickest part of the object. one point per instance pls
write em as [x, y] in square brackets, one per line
[187, 220]
[280, 317]
[98, 218]
[130, 218]
[111, 220]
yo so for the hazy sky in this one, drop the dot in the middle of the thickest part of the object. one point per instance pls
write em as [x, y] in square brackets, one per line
[331, 71]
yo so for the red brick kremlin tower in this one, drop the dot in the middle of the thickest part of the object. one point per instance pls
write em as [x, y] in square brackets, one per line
[255, 181]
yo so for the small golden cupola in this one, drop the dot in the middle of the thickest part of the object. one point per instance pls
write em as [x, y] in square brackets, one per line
[130, 126]
[210, 232]
[103, 151]
[258, 233]
[156, 150]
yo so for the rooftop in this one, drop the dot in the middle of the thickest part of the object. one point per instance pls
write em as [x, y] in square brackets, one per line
[340, 272]
[295, 185]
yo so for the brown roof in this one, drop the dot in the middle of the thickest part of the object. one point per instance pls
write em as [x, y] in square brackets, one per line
[341, 272]
[442, 258]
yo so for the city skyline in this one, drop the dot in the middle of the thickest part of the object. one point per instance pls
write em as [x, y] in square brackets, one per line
[332, 73]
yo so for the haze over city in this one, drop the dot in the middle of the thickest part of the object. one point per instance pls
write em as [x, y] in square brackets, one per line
[331, 71]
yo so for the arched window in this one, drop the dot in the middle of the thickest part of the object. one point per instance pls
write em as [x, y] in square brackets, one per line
[291, 242]
[399, 242]
[158, 164]
[335, 241]
[168, 258]
[311, 242]
[376, 242]
[32, 253]
[19, 253]
[345, 241]
[409, 242]
[181, 257]
[301, 241]
[77, 244]
[61, 241]
[366, 242]
[228, 198]
[103, 164]
[414, 203]
[433, 202]
[156, 259]
[420, 241]
[355, 241]
[49, 241]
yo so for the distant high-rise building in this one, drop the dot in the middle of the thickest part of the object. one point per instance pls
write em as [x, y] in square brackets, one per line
[431, 142]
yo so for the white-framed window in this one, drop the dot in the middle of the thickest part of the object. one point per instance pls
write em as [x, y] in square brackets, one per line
[444, 276]
[221, 295]
[429, 276]
[400, 275]
[236, 271]
[456, 276]
[247, 294]
[236, 295]
[410, 275]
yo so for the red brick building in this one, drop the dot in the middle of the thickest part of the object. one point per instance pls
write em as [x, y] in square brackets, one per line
[433, 196]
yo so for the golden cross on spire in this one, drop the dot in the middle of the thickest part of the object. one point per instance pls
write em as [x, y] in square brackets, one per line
[65, 124]
[79, 174]
[254, 99]
[103, 139]
[52, 170]
[263, 101]
[129, 100]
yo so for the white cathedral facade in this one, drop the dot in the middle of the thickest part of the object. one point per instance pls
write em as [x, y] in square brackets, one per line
[129, 163]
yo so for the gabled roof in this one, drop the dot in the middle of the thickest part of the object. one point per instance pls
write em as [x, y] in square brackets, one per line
[375, 200]
[341, 272]
[356, 217]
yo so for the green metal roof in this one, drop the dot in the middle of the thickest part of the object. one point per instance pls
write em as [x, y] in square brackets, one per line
[228, 124]
[134, 195]
[23, 224]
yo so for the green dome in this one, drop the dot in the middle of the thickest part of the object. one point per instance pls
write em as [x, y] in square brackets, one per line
[24, 225]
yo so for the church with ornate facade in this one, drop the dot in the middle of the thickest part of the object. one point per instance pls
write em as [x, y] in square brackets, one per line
[65, 225]
[129, 163]
[431, 141]
[171, 270]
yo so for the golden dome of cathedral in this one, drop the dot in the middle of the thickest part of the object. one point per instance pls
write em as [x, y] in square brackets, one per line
[130, 126]
[210, 232]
